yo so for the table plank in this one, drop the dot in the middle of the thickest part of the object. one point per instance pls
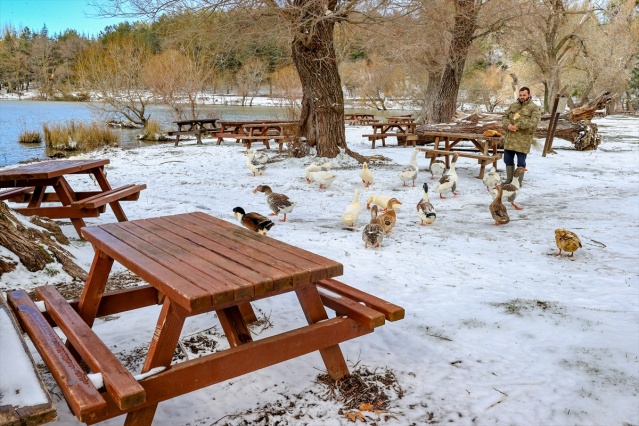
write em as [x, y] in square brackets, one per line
[316, 264]
[219, 265]
[50, 169]
[281, 274]
[179, 261]
[184, 292]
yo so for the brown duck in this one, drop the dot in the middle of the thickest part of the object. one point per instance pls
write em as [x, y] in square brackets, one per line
[253, 221]
[498, 209]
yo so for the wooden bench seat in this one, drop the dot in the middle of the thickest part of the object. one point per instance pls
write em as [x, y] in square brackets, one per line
[462, 153]
[118, 381]
[248, 140]
[129, 192]
[353, 302]
[83, 398]
[15, 193]
[408, 137]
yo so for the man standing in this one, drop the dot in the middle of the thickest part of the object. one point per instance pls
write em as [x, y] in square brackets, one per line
[520, 120]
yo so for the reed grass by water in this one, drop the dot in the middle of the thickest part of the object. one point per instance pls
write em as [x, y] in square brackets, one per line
[30, 136]
[81, 137]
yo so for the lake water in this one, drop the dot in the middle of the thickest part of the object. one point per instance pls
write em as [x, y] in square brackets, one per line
[18, 116]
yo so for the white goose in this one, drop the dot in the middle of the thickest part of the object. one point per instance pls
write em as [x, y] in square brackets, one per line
[367, 175]
[350, 215]
[491, 178]
[323, 177]
[259, 157]
[410, 171]
[437, 167]
[254, 166]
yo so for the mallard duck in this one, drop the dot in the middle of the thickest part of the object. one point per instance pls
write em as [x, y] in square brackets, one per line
[373, 234]
[279, 203]
[437, 167]
[498, 209]
[366, 175]
[323, 177]
[259, 157]
[253, 221]
[567, 241]
[510, 191]
[491, 178]
[410, 171]
[254, 166]
[448, 182]
[350, 215]
[425, 209]
[379, 200]
[388, 219]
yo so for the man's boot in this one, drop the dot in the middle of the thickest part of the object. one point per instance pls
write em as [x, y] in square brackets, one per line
[509, 174]
[521, 179]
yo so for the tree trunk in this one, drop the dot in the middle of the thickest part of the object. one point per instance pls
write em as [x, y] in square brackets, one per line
[445, 103]
[34, 248]
[322, 116]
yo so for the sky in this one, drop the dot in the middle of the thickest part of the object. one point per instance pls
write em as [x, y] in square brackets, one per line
[498, 329]
[57, 15]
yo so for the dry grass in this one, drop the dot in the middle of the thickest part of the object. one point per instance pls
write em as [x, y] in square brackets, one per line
[79, 136]
[152, 132]
[30, 136]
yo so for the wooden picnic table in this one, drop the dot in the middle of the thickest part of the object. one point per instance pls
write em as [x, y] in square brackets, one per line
[29, 184]
[359, 118]
[193, 263]
[408, 118]
[403, 131]
[484, 149]
[249, 131]
[195, 127]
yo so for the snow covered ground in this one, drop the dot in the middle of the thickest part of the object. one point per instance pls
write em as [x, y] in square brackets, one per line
[498, 329]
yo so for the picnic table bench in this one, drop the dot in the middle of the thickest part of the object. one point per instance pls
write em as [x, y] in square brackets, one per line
[359, 118]
[404, 132]
[250, 131]
[193, 263]
[29, 183]
[194, 127]
[484, 149]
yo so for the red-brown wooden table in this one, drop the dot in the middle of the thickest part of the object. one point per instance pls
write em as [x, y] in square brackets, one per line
[195, 263]
[30, 182]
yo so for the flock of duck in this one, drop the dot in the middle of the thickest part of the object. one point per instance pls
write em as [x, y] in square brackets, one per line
[382, 207]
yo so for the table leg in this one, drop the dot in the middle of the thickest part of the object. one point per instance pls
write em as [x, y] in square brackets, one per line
[165, 339]
[36, 198]
[234, 326]
[100, 178]
[66, 196]
[94, 287]
[314, 311]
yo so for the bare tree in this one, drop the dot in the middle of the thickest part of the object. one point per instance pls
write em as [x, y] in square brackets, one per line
[115, 73]
[249, 79]
[177, 80]
[311, 25]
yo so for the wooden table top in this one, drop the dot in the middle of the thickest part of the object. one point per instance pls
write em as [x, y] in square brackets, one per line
[200, 261]
[50, 169]
[197, 121]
